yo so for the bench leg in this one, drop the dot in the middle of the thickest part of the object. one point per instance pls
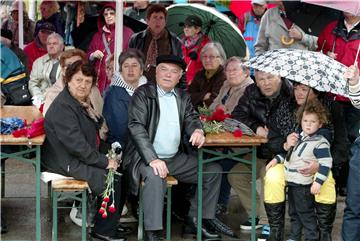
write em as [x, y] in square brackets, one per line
[141, 217]
[168, 214]
[83, 214]
[55, 216]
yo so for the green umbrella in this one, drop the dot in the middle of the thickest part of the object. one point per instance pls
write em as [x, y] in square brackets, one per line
[217, 26]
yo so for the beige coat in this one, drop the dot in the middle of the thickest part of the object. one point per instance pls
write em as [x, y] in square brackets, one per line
[272, 28]
[40, 76]
[234, 96]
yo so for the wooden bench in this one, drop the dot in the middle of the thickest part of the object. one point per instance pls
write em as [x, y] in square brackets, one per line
[65, 189]
[170, 181]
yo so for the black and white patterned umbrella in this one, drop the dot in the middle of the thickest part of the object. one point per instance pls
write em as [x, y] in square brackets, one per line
[313, 69]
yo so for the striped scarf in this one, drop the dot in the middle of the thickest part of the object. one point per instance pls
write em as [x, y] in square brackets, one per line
[118, 80]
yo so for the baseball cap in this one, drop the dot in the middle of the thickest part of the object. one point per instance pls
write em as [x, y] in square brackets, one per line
[192, 20]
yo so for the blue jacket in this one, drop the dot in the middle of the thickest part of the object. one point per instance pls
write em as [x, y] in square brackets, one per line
[11, 66]
[115, 112]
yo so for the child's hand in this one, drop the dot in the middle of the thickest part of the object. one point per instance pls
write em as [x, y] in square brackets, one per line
[271, 164]
[315, 188]
[291, 140]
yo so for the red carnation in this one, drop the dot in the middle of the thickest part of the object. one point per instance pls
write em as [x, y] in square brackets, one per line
[104, 215]
[238, 133]
[101, 210]
[112, 208]
[106, 199]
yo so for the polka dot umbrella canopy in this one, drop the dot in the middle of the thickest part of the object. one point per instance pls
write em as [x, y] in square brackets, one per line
[313, 69]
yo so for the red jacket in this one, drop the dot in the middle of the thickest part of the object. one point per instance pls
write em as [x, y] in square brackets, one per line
[33, 51]
[195, 65]
[345, 44]
[97, 43]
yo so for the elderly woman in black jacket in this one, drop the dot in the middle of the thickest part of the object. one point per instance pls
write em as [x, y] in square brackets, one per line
[72, 139]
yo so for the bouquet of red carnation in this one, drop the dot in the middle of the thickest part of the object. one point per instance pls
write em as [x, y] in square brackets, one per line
[114, 154]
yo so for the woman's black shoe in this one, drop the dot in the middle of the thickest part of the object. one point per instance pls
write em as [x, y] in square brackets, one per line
[97, 237]
[124, 230]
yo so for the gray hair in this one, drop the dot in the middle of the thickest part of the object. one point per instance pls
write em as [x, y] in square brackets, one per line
[56, 36]
[132, 53]
[241, 62]
[218, 47]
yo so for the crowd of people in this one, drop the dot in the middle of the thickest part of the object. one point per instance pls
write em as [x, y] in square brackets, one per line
[150, 106]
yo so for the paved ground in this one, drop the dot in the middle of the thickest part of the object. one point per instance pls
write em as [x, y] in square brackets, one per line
[18, 208]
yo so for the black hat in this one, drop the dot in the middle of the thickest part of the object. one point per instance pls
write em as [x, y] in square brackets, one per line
[6, 33]
[47, 26]
[171, 59]
[193, 20]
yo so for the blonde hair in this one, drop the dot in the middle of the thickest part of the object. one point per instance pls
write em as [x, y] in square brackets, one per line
[54, 6]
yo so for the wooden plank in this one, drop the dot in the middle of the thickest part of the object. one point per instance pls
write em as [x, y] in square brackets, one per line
[228, 139]
[67, 184]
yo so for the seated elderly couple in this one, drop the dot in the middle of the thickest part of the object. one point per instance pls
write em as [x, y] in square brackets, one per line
[159, 116]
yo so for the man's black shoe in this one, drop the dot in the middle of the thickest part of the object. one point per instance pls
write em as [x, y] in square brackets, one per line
[220, 227]
[190, 230]
[122, 230]
[97, 237]
[153, 235]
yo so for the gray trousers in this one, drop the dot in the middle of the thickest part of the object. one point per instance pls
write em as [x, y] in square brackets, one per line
[184, 168]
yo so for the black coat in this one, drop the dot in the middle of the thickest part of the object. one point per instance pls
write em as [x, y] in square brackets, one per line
[255, 110]
[200, 86]
[144, 114]
[137, 41]
[70, 147]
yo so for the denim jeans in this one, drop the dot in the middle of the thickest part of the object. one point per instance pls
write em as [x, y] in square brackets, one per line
[351, 221]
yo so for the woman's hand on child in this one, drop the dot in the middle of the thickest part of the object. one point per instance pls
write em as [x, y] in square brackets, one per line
[271, 164]
[315, 188]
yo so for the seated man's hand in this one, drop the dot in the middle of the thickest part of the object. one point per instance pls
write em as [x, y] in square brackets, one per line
[262, 131]
[197, 138]
[271, 164]
[113, 164]
[159, 167]
[315, 188]
[310, 169]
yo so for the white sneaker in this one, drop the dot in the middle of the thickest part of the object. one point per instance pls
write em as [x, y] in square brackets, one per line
[124, 211]
[75, 216]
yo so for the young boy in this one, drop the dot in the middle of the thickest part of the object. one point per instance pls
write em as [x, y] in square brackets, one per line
[309, 145]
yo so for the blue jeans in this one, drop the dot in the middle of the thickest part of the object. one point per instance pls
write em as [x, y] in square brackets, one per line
[351, 221]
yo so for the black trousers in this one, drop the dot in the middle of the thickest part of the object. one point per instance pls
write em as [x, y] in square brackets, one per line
[302, 212]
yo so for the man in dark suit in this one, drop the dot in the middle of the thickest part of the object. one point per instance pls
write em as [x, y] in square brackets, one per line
[159, 116]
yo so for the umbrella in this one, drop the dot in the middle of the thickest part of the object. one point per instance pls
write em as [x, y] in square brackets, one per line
[313, 69]
[312, 19]
[216, 26]
[350, 6]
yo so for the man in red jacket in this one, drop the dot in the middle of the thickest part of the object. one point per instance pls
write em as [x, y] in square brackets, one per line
[340, 40]
[37, 47]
